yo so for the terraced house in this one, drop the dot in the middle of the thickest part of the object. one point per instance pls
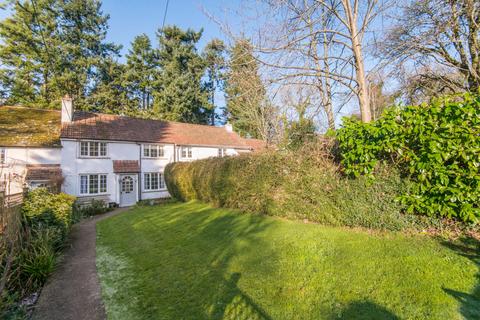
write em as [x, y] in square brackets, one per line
[113, 158]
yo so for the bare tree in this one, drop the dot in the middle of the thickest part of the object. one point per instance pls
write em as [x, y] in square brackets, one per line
[439, 39]
[320, 42]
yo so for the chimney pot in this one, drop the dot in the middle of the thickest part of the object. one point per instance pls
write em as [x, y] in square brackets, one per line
[67, 109]
[229, 127]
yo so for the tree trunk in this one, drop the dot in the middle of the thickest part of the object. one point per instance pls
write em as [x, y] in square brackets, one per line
[362, 91]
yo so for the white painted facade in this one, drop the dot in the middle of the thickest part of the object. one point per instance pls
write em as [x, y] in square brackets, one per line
[74, 166]
[13, 164]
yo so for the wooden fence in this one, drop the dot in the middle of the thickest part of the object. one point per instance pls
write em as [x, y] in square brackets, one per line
[10, 229]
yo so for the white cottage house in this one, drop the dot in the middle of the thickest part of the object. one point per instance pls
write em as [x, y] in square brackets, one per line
[115, 158]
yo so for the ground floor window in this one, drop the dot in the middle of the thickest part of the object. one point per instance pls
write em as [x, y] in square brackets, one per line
[93, 183]
[222, 152]
[153, 181]
[3, 157]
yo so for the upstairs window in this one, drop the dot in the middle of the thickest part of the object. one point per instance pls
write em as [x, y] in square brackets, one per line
[153, 181]
[93, 149]
[222, 152]
[186, 152]
[153, 151]
[3, 156]
[93, 183]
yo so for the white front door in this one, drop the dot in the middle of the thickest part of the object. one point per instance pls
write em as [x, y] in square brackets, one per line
[128, 190]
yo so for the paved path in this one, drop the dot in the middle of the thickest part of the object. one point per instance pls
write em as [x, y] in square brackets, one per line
[73, 291]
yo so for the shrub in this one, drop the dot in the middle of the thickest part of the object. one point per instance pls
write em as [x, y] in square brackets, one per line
[437, 146]
[302, 184]
[44, 208]
[81, 211]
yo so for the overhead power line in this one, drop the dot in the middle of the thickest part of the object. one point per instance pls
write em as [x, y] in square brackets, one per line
[165, 14]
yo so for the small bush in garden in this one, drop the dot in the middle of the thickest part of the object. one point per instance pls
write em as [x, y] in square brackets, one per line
[87, 210]
[437, 146]
[44, 208]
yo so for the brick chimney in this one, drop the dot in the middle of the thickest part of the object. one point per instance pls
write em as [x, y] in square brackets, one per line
[67, 109]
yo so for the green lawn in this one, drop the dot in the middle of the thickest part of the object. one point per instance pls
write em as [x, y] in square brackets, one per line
[191, 261]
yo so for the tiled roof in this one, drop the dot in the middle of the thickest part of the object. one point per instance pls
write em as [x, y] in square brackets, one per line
[124, 166]
[20, 126]
[256, 144]
[119, 128]
[43, 172]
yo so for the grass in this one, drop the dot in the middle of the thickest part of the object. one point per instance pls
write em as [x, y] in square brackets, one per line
[192, 261]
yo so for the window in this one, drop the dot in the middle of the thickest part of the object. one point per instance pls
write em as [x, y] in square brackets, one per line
[186, 152]
[153, 151]
[3, 156]
[93, 183]
[93, 149]
[222, 152]
[153, 181]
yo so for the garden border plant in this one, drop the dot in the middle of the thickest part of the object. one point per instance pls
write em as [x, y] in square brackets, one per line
[436, 146]
[45, 223]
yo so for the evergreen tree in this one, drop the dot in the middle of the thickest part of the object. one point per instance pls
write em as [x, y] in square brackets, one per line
[51, 48]
[213, 55]
[141, 69]
[245, 93]
[179, 94]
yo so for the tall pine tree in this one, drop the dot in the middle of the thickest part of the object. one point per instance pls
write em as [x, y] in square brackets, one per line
[213, 55]
[141, 68]
[179, 94]
[51, 48]
[246, 107]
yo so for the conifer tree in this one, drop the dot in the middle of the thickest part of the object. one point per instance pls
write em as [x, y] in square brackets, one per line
[51, 48]
[246, 107]
[141, 68]
[179, 94]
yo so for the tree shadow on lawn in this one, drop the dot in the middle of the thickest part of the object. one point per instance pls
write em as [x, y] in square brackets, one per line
[364, 310]
[192, 257]
[469, 302]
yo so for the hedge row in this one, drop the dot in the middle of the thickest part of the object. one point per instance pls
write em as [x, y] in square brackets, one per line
[301, 184]
[436, 145]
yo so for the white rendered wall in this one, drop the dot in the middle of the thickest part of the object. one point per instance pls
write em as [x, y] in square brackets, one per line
[17, 158]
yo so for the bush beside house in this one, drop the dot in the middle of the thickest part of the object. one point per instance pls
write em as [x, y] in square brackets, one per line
[46, 221]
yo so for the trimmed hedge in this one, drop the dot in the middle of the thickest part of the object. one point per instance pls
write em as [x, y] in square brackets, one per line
[301, 184]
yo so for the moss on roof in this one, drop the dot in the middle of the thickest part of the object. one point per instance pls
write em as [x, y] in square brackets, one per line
[20, 126]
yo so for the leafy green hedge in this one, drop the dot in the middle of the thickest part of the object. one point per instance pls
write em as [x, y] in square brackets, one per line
[437, 146]
[301, 184]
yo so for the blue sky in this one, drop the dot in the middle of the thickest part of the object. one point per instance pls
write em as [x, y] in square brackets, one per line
[130, 18]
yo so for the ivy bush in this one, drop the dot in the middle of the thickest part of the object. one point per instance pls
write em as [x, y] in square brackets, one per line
[296, 184]
[436, 146]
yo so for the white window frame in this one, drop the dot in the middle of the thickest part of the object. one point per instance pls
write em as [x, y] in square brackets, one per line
[148, 178]
[3, 156]
[222, 152]
[99, 183]
[187, 151]
[92, 145]
[148, 148]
